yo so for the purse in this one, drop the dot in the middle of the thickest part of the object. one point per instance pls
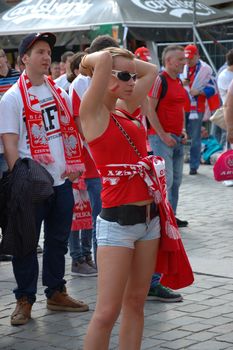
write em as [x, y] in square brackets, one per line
[218, 118]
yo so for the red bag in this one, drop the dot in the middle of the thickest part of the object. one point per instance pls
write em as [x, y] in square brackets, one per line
[223, 168]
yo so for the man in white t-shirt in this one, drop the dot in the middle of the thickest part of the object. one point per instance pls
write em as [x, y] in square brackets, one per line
[23, 139]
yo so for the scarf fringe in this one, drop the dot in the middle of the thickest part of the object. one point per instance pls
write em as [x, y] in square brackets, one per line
[72, 168]
[44, 158]
[84, 224]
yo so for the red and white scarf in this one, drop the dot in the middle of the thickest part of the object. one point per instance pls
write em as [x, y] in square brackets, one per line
[202, 77]
[82, 213]
[38, 139]
[172, 260]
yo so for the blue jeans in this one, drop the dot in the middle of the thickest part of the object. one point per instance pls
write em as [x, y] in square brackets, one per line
[193, 127]
[81, 248]
[174, 160]
[56, 212]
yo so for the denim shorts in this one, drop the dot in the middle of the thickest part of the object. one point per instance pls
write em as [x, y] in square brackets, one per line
[112, 234]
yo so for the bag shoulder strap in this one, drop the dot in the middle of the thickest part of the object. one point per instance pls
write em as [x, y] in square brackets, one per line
[126, 136]
[164, 86]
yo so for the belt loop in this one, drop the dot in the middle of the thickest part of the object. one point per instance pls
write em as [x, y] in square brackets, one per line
[147, 214]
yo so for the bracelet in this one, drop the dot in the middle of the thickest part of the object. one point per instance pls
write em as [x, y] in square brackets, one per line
[183, 130]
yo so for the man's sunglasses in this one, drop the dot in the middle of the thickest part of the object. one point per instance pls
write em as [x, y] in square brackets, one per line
[123, 75]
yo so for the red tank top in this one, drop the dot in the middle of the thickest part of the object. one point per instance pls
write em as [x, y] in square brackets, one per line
[113, 148]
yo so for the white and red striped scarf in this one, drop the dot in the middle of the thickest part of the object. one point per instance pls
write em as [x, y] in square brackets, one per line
[172, 260]
[71, 139]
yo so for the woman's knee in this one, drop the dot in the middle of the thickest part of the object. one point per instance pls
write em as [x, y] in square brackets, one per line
[106, 317]
[135, 301]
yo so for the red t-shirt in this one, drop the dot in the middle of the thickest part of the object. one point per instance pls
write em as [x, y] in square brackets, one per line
[170, 108]
[77, 89]
[113, 148]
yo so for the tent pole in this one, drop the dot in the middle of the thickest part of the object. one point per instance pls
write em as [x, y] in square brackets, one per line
[194, 21]
[153, 48]
[125, 37]
[204, 49]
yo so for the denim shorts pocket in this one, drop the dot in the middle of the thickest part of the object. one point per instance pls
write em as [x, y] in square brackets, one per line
[97, 227]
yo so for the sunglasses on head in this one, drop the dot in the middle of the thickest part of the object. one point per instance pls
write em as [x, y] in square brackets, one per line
[123, 75]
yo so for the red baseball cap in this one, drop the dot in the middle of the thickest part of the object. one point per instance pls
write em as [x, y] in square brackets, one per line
[143, 53]
[190, 51]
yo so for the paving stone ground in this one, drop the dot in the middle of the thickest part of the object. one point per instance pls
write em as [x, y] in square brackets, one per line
[203, 321]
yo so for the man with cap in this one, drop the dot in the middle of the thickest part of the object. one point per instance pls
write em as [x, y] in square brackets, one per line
[142, 53]
[36, 122]
[201, 87]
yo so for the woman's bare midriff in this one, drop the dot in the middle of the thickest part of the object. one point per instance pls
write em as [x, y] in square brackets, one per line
[141, 203]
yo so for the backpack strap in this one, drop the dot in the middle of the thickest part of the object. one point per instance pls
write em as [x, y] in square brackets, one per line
[163, 85]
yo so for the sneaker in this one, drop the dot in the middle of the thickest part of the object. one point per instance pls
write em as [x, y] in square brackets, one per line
[22, 313]
[83, 269]
[90, 262]
[164, 294]
[61, 301]
[39, 250]
[181, 223]
[228, 183]
[193, 171]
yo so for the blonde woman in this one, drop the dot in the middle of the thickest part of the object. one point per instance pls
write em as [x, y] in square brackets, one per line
[128, 227]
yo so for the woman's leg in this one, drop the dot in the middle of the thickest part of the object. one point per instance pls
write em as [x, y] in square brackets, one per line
[114, 264]
[142, 268]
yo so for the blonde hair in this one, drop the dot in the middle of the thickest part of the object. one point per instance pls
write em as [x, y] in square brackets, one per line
[117, 51]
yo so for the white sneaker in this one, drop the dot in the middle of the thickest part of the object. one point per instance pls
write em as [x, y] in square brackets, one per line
[228, 183]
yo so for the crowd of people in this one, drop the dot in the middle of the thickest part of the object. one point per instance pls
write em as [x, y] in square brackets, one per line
[108, 130]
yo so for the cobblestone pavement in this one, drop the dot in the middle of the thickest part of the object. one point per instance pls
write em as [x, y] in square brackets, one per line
[204, 320]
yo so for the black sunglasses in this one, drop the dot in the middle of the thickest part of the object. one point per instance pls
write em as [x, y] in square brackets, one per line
[123, 75]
